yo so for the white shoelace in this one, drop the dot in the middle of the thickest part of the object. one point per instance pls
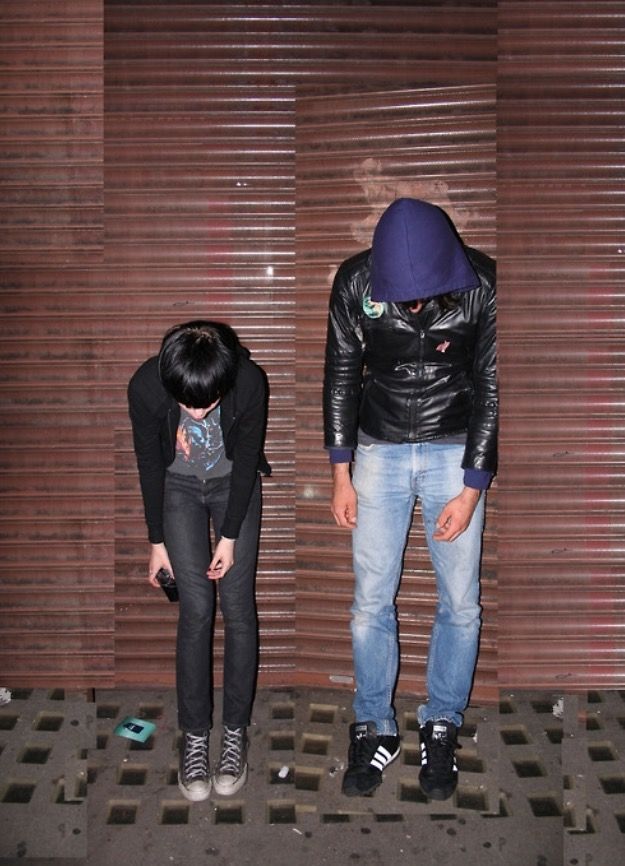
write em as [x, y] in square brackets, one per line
[232, 751]
[196, 756]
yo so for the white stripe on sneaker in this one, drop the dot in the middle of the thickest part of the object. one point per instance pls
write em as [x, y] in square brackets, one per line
[382, 758]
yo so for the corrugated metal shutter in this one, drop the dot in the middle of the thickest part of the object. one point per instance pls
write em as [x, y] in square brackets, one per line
[55, 449]
[199, 224]
[355, 154]
[200, 204]
[200, 143]
[561, 253]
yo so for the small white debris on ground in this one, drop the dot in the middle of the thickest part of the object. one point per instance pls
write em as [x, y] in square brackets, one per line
[558, 708]
[5, 697]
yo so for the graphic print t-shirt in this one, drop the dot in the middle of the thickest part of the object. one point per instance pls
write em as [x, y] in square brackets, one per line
[200, 447]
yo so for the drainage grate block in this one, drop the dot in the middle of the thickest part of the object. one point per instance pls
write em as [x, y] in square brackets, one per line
[48, 722]
[542, 707]
[132, 774]
[283, 711]
[34, 754]
[308, 779]
[230, 813]
[8, 721]
[122, 812]
[613, 784]
[281, 812]
[602, 752]
[410, 792]
[107, 711]
[471, 798]
[554, 735]
[545, 806]
[515, 736]
[282, 741]
[323, 713]
[504, 808]
[410, 722]
[56, 695]
[411, 755]
[528, 768]
[150, 711]
[18, 792]
[569, 822]
[469, 763]
[315, 744]
[174, 813]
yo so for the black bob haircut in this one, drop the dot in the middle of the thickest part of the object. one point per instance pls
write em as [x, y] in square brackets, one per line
[198, 362]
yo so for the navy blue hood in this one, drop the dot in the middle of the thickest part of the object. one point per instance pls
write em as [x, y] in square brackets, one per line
[417, 254]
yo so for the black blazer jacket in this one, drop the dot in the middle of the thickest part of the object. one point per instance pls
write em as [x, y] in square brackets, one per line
[155, 416]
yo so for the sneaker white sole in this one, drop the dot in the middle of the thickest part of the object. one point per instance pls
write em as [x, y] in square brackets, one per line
[196, 795]
[226, 788]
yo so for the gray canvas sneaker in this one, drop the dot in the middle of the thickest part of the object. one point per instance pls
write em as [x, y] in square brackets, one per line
[231, 772]
[194, 778]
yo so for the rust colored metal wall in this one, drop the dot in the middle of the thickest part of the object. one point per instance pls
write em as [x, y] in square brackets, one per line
[200, 204]
[354, 155]
[562, 314]
[197, 217]
[199, 212]
[56, 540]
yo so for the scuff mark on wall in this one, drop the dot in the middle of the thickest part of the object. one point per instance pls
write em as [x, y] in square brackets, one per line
[381, 188]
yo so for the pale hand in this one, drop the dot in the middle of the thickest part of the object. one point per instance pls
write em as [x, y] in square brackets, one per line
[159, 558]
[344, 505]
[456, 515]
[223, 559]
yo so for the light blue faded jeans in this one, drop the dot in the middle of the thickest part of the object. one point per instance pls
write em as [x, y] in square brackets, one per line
[388, 479]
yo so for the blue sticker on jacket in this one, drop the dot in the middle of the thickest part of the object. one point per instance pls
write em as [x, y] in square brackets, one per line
[373, 309]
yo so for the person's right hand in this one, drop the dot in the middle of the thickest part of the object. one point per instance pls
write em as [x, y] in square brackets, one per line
[344, 504]
[159, 558]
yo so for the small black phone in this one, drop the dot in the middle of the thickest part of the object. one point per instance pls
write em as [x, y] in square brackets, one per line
[168, 584]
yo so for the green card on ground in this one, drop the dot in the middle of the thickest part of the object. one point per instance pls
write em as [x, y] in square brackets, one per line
[135, 729]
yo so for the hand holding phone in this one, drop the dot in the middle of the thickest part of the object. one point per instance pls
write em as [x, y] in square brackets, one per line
[167, 584]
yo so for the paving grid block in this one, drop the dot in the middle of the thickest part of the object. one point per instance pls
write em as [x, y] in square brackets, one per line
[45, 736]
[597, 767]
[134, 787]
[530, 728]
[321, 759]
[551, 766]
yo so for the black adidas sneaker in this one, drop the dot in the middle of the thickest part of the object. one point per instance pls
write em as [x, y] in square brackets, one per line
[369, 754]
[439, 774]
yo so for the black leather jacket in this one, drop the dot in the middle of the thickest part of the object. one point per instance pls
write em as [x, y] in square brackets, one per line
[403, 377]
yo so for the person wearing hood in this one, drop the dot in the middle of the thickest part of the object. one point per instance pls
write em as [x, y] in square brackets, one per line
[198, 412]
[410, 412]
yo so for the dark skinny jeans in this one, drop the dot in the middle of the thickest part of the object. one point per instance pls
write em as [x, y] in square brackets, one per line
[189, 506]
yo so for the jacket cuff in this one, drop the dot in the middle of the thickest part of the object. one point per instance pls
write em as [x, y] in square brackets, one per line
[479, 479]
[341, 455]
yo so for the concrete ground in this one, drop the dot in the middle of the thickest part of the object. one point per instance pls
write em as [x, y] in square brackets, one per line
[542, 783]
